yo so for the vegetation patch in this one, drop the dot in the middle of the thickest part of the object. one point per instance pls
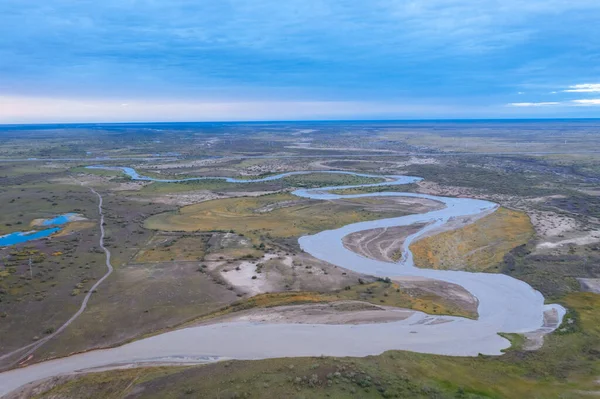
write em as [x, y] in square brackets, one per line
[165, 248]
[402, 188]
[566, 367]
[315, 180]
[247, 216]
[554, 274]
[383, 292]
[479, 246]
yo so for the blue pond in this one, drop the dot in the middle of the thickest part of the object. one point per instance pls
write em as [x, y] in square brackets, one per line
[62, 219]
[24, 236]
[20, 236]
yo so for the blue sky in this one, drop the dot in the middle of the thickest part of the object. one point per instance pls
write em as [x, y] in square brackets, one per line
[169, 60]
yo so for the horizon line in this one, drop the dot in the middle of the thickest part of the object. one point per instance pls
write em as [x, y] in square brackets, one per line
[303, 121]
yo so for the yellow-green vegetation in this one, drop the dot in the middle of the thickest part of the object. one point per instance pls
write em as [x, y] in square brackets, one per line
[98, 172]
[191, 185]
[26, 253]
[280, 215]
[308, 180]
[477, 246]
[376, 189]
[380, 293]
[517, 341]
[75, 226]
[240, 253]
[329, 179]
[162, 248]
[567, 367]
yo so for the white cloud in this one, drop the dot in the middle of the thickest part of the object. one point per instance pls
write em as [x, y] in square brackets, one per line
[587, 102]
[572, 103]
[16, 109]
[542, 104]
[584, 88]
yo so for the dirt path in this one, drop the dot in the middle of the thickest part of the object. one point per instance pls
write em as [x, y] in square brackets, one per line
[31, 348]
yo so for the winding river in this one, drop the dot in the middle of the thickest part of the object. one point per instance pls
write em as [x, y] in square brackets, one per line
[505, 305]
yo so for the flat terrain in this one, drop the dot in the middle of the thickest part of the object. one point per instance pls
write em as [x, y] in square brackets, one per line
[564, 368]
[207, 251]
[475, 247]
[383, 244]
[278, 215]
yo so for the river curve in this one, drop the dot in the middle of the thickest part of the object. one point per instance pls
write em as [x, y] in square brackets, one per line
[505, 305]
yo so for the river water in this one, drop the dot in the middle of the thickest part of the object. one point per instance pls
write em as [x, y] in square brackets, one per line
[505, 305]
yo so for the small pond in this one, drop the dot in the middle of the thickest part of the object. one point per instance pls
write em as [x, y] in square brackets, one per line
[25, 236]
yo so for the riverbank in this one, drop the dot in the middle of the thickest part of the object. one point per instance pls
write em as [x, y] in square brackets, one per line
[505, 305]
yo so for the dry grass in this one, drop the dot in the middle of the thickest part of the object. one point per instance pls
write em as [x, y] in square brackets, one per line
[76, 226]
[476, 247]
[242, 216]
[162, 248]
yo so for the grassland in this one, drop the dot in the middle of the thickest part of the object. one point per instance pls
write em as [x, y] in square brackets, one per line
[192, 185]
[166, 289]
[278, 215]
[476, 247]
[139, 299]
[566, 367]
[554, 274]
[165, 248]
[35, 301]
[98, 172]
[314, 180]
[25, 200]
[367, 190]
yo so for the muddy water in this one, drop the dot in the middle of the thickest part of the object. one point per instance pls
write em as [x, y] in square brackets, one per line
[505, 305]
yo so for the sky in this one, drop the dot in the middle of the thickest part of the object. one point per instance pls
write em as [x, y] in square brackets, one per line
[208, 60]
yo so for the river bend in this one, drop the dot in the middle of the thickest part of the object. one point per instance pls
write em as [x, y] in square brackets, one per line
[505, 305]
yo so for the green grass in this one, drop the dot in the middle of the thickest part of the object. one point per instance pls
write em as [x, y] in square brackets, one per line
[314, 180]
[517, 341]
[193, 185]
[97, 172]
[290, 217]
[566, 367]
[403, 188]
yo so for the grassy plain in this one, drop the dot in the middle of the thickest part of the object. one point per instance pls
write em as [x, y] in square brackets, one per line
[367, 190]
[279, 215]
[139, 299]
[143, 297]
[476, 247]
[165, 248]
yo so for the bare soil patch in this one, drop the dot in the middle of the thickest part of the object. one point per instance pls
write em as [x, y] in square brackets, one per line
[383, 244]
[343, 312]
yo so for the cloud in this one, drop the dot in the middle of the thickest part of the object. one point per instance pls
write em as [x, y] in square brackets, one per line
[541, 104]
[459, 52]
[584, 88]
[587, 102]
[571, 103]
[69, 110]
